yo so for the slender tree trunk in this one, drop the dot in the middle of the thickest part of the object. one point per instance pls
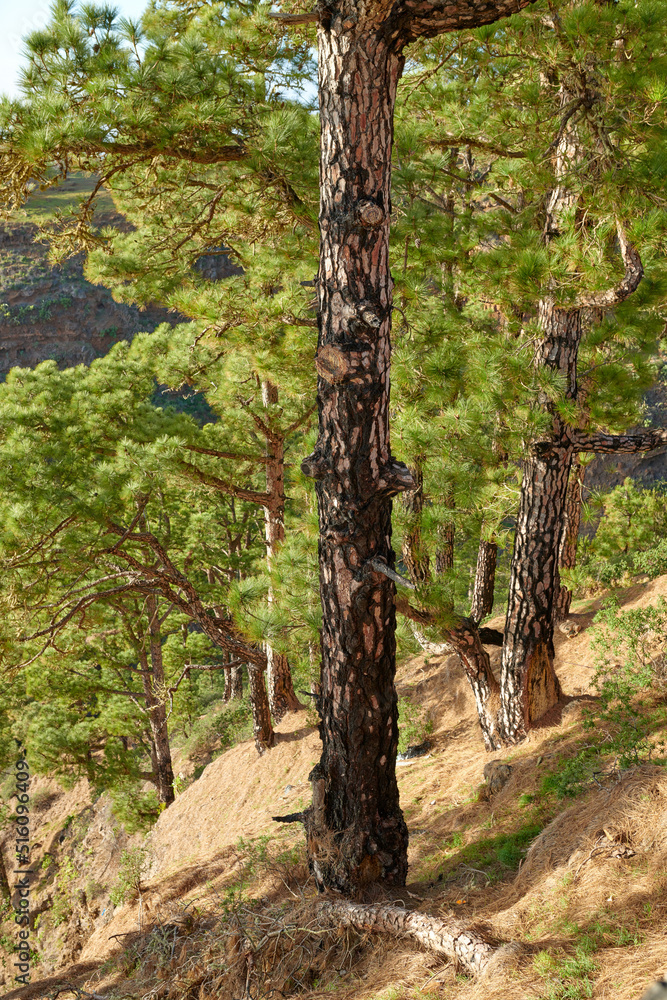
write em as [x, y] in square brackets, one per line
[414, 554]
[154, 688]
[529, 686]
[567, 557]
[355, 828]
[485, 580]
[444, 555]
[261, 714]
[282, 698]
[228, 685]
[5, 888]
[463, 639]
[236, 688]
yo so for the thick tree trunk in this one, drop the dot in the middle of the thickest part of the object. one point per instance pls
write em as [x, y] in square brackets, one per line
[355, 828]
[529, 686]
[485, 580]
[446, 937]
[414, 554]
[261, 714]
[282, 698]
[154, 688]
[567, 556]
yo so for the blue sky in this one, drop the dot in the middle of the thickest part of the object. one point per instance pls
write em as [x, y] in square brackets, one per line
[19, 17]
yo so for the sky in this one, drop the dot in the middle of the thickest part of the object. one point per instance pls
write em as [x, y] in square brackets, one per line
[19, 17]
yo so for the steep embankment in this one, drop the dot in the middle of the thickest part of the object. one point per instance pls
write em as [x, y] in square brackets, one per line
[582, 886]
[53, 312]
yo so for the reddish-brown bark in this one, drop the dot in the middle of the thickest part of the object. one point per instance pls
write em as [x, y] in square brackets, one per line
[355, 827]
[567, 554]
[485, 580]
[261, 716]
[237, 683]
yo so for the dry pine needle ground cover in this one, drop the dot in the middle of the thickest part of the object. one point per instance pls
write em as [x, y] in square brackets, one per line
[228, 911]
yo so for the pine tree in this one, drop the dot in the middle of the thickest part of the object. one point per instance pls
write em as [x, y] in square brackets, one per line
[81, 510]
[553, 161]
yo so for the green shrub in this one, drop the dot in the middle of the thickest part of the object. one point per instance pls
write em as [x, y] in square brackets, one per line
[630, 663]
[135, 809]
[63, 902]
[134, 863]
[413, 724]
[220, 730]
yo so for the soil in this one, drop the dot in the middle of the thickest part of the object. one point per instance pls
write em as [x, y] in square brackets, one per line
[569, 880]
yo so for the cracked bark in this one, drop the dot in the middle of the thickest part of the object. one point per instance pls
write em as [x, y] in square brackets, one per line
[355, 828]
[262, 729]
[567, 554]
[444, 556]
[528, 681]
[449, 938]
[237, 683]
[415, 555]
[485, 580]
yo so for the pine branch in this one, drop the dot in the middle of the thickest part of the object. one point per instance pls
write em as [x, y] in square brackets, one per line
[307, 17]
[252, 496]
[455, 141]
[634, 272]
[620, 444]
[426, 20]
[226, 454]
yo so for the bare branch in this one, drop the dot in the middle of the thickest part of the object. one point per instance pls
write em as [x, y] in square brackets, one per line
[381, 567]
[308, 17]
[620, 444]
[252, 496]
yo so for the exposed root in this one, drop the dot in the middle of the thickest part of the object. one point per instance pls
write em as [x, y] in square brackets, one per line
[449, 938]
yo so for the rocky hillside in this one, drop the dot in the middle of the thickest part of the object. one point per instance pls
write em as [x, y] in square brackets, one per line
[51, 312]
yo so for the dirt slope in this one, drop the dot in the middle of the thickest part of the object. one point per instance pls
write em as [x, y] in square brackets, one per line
[570, 886]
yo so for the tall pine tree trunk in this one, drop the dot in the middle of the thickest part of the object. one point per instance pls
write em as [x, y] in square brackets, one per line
[282, 698]
[485, 580]
[529, 686]
[567, 557]
[355, 828]
[154, 688]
